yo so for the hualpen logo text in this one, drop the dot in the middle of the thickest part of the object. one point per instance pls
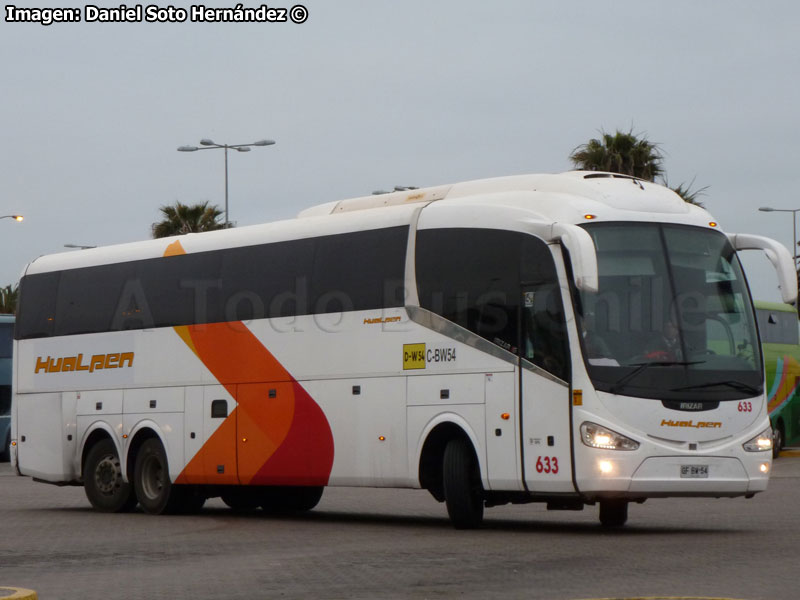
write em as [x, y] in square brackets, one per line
[698, 425]
[65, 364]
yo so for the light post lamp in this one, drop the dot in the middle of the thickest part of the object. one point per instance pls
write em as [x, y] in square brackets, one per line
[15, 217]
[794, 212]
[212, 145]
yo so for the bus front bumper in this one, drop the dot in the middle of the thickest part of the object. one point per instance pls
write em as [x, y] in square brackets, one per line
[664, 476]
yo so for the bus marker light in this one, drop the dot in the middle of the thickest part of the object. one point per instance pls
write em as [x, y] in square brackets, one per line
[577, 397]
[712, 223]
[505, 416]
[382, 438]
[589, 217]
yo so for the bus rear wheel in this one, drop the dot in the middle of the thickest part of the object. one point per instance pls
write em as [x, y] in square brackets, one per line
[613, 513]
[463, 491]
[154, 489]
[103, 482]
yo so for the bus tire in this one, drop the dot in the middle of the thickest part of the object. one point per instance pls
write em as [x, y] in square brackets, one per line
[154, 489]
[288, 499]
[463, 491]
[613, 513]
[777, 440]
[103, 482]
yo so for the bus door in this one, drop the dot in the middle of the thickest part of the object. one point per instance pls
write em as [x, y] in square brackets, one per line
[544, 390]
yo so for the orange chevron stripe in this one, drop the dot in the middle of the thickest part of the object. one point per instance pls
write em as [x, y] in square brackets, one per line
[277, 434]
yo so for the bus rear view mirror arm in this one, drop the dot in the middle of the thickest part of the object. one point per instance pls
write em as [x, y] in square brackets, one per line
[777, 254]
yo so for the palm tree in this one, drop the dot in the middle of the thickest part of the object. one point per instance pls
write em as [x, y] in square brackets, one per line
[624, 153]
[686, 192]
[633, 155]
[183, 218]
[8, 299]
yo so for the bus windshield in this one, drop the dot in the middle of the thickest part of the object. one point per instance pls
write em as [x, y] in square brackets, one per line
[672, 318]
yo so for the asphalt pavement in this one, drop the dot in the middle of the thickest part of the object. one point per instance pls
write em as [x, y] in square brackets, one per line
[378, 543]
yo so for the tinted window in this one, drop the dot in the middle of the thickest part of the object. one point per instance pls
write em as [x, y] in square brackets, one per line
[359, 271]
[352, 271]
[5, 400]
[172, 290]
[471, 277]
[544, 330]
[483, 279]
[777, 327]
[277, 276]
[87, 298]
[6, 338]
[36, 309]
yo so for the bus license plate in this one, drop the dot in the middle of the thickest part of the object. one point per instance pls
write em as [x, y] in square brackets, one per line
[694, 471]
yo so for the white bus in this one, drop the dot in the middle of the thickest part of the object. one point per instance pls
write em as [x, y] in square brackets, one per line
[573, 339]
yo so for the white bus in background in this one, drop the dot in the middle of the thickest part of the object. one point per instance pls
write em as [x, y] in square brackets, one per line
[573, 339]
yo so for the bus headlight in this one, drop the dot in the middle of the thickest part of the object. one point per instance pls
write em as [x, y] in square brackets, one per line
[761, 443]
[597, 436]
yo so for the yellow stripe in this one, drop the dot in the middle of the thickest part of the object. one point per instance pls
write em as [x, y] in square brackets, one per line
[186, 336]
[7, 593]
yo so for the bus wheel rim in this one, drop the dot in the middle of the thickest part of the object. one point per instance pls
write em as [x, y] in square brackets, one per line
[107, 475]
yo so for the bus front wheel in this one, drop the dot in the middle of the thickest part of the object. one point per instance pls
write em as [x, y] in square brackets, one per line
[613, 513]
[463, 492]
[103, 482]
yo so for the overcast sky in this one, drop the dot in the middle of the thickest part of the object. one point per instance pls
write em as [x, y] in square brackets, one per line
[367, 95]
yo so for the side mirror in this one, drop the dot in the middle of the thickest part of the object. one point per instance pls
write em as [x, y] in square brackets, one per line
[581, 251]
[777, 254]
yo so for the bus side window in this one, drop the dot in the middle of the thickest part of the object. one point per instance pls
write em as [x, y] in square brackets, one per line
[471, 277]
[544, 333]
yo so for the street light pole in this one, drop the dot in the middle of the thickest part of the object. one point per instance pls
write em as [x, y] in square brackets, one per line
[212, 145]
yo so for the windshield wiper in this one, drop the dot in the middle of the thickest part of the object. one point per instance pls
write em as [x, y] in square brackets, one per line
[737, 385]
[617, 385]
